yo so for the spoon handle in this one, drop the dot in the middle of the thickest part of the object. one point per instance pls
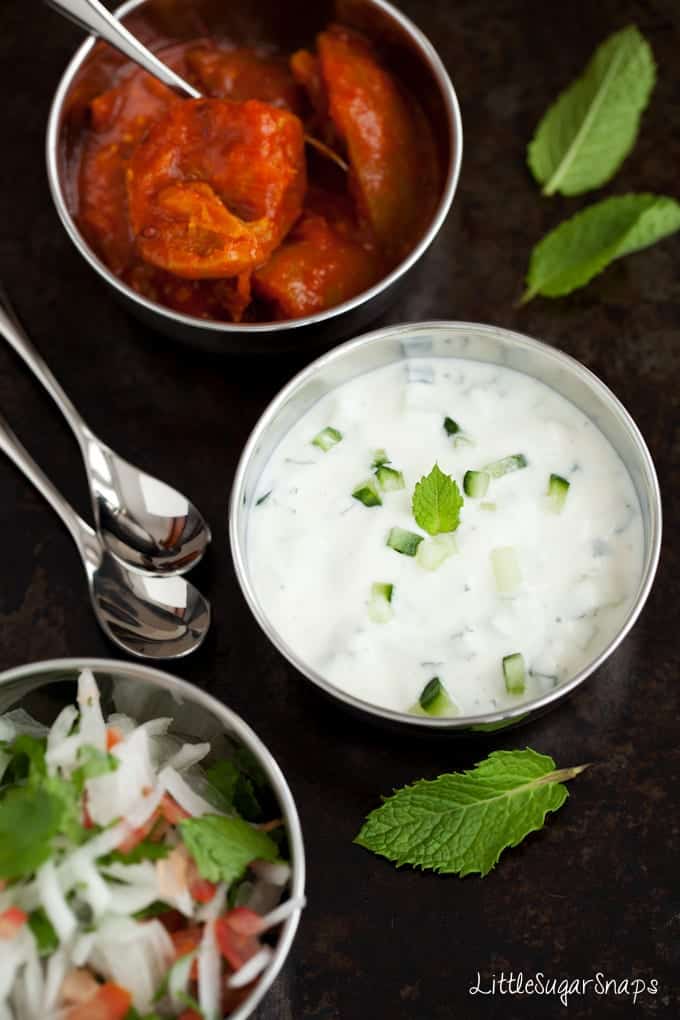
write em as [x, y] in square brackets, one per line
[93, 17]
[83, 535]
[14, 333]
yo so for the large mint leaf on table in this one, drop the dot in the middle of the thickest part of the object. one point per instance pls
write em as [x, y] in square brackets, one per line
[461, 822]
[589, 130]
[581, 247]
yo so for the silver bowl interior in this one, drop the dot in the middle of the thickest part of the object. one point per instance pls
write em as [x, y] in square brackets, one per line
[455, 340]
[285, 29]
[43, 689]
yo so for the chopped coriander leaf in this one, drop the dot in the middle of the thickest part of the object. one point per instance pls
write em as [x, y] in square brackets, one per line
[514, 673]
[43, 932]
[224, 847]
[389, 479]
[155, 909]
[558, 488]
[506, 465]
[380, 458]
[402, 541]
[367, 493]
[28, 759]
[327, 438]
[437, 502]
[451, 427]
[144, 851]
[30, 817]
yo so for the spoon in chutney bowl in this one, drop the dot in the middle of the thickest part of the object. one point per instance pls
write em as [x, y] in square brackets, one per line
[144, 523]
[92, 16]
[148, 617]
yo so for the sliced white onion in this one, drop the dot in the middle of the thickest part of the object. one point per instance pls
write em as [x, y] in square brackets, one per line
[92, 725]
[134, 954]
[55, 972]
[64, 755]
[123, 723]
[61, 727]
[178, 977]
[178, 788]
[141, 812]
[19, 721]
[282, 912]
[114, 794]
[54, 903]
[129, 899]
[7, 729]
[156, 727]
[144, 872]
[251, 969]
[12, 958]
[82, 947]
[211, 910]
[276, 872]
[209, 972]
[188, 755]
[95, 891]
[33, 983]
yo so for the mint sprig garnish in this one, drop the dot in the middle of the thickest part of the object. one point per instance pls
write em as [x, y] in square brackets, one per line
[460, 823]
[437, 502]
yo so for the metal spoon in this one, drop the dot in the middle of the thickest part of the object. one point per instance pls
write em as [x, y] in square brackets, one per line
[150, 617]
[93, 17]
[144, 522]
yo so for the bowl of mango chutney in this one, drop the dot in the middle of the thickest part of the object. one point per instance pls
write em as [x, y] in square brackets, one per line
[283, 209]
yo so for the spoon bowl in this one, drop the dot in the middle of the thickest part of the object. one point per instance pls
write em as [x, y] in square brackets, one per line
[143, 522]
[148, 616]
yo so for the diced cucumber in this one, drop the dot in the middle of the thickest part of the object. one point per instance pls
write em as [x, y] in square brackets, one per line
[506, 569]
[327, 438]
[367, 493]
[558, 487]
[389, 479]
[491, 507]
[451, 427]
[434, 700]
[380, 604]
[503, 467]
[402, 541]
[379, 458]
[433, 551]
[514, 673]
[476, 483]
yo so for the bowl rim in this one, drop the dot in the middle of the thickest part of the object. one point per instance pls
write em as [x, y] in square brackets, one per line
[500, 718]
[233, 721]
[455, 128]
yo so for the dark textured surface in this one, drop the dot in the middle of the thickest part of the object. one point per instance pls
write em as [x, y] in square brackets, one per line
[598, 889]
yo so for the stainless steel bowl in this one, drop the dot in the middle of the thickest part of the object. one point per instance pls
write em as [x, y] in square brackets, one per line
[451, 340]
[266, 22]
[43, 688]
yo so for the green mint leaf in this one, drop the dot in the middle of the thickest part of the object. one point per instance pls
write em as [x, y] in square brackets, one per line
[461, 822]
[581, 247]
[29, 818]
[437, 502]
[45, 935]
[235, 790]
[93, 763]
[589, 130]
[28, 760]
[224, 847]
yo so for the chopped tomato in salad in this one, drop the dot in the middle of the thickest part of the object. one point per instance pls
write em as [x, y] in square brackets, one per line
[211, 206]
[126, 870]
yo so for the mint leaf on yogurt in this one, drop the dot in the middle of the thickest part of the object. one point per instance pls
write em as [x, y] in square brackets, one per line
[436, 502]
[460, 823]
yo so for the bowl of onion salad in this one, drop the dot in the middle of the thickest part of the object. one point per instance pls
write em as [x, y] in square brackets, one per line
[151, 864]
